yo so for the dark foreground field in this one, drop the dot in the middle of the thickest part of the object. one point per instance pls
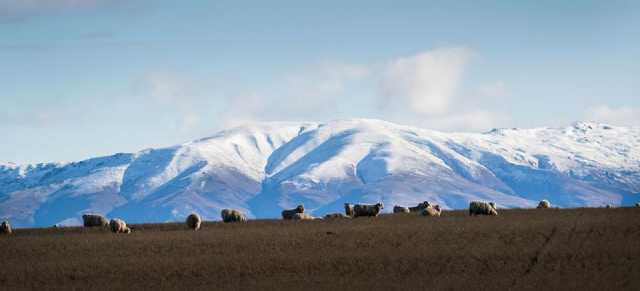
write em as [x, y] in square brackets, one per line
[593, 249]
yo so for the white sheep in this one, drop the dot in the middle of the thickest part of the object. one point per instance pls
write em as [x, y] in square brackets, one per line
[400, 209]
[432, 210]
[193, 221]
[638, 204]
[544, 204]
[5, 227]
[481, 207]
[118, 226]
[369, 210]
[289, 213]
[348, 209]
[304, 216]
[91, 220]
[232, 215]
[336, 215]
[608, 206]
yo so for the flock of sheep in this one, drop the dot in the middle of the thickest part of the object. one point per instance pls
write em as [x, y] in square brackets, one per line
[351, 211]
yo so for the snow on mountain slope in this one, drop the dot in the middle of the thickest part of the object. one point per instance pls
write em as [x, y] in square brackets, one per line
[262, 168]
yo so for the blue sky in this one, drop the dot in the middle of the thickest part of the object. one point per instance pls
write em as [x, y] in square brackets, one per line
[80, 79]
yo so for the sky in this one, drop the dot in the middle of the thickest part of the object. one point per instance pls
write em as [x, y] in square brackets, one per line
[87, 78]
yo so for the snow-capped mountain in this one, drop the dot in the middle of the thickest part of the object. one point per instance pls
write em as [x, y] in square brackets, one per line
[262, 168]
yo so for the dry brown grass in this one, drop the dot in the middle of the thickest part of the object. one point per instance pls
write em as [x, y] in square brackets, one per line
[587, 249]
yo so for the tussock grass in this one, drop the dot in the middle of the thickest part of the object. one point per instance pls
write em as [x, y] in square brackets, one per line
[555, 249]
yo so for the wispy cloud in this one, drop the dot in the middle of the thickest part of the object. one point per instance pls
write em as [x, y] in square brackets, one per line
[169, 87]
[614, 116]
[13, 10]
[496, 89]
[97, 35]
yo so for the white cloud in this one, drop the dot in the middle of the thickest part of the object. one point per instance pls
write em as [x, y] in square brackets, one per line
[11, 10]
[614, 116]
[187, 123]
[170, 87]
[241, 109]
[426, 82]
[318, 89]
[497, 89]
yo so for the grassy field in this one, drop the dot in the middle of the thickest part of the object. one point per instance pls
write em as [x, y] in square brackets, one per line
[570, 249]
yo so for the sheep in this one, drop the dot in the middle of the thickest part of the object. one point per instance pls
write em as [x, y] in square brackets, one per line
[432, 210]
[304, 216]
[348, 209]
[421, 206]
[5, 227]
[493, 204]
[336, 215]
[91, 220]
[369, 210]
[544, 204]
[193, 221]
[608, 206]
[119, 226]
[481, 207]
[637, 204]
[400, 209]
[232, 215]
[55, 226]
[289, 213]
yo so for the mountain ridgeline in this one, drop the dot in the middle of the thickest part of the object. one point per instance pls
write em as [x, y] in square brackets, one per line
[263, 168]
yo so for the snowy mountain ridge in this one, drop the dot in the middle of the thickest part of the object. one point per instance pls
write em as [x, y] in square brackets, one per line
[265, 167]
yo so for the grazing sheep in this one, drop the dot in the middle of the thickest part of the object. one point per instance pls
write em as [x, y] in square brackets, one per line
[608, 205]
[5, 227]
[304, 216]
[119, 226]
[481, 207]
[348, 209]
[400, 209]
[193, 221]
[91, 220]
[544, 204]
[55, 226]
[432, 210]
[289, 213]
[369, 210]
[337, 215]
[637, 204]
[232, 215]
[421, 206]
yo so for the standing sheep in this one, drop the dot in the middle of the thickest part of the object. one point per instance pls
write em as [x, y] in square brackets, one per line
[304, 216]
[544, 204]
[481, 207]
[637, 204]
[289, 213]
[348, 209]
[5, 227]
[193, 221]
[337, 215]
[434, 210]
[421, 206]
[91, 220]
[400, 209]
[368, 210]
[118, 226]
[232, 215]
[608, 206]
